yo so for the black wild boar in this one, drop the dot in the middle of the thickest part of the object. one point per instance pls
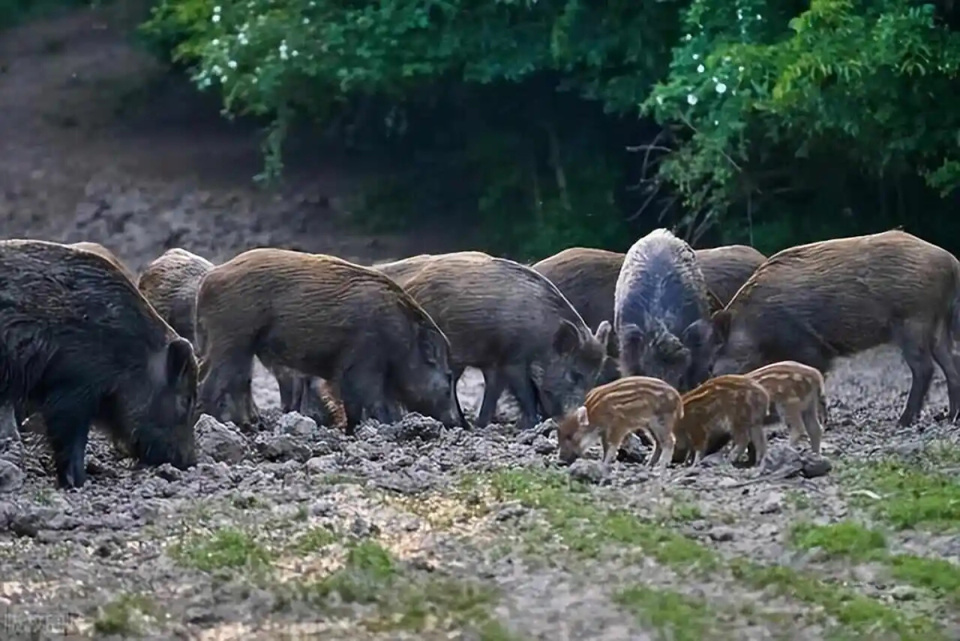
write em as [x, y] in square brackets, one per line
[170, 283]
[727, 268]
[661, 313]
[81, 346]
[813, 303]
[100, 250]
[515, 326]
[325, 317]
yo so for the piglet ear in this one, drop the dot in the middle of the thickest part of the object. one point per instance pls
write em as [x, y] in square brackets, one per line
[582, 416]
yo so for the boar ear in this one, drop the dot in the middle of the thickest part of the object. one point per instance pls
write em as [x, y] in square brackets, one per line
[567, 338]
[721, 324]
[698, 334]
[179, 359]
[606, 337]
[713, 302]
[582, 416]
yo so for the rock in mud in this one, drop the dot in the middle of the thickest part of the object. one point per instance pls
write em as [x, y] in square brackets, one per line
[632, 450]
[282, 448]
[586, 471]
[297, 425]
[218, 441]
[722, 533]
[783, 461]
[11, 477]
[543, 445]
[815, 467]
[413, 426]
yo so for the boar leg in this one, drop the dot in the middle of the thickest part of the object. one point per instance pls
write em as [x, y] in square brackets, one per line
[914, 345]
[67, 431]
[493, 385]
[287, 385]
[794, 420]
[517, 379]
[811, 420]
[740, 440]
[363, 387]
[943, 354]
[759, 440]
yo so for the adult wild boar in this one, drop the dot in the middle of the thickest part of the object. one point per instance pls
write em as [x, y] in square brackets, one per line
[170, 283]
[515, 326]
[100, 250]
[662, 312]
[325, 317]
[816, 302]
[727, 268]
[81, 346]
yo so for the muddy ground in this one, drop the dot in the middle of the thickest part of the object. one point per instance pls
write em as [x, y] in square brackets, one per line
[413, 531]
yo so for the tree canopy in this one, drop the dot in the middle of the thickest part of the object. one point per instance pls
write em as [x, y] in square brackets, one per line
[774, 122]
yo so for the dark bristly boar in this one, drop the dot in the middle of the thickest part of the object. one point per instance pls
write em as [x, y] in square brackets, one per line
[81, 346]
[100, 250]
[727, 268]
[326, 317]
[662, 313]
[170, 283]
[813, 303]
[515, 326]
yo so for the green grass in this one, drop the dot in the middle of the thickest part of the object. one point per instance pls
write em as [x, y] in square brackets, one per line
[844, 539]
[911, 497]
[855, 612]
[850, 540]
[403, 600]
[313, 540]
[675, 616]
[223, 548]
[586, 527]
[124, 615]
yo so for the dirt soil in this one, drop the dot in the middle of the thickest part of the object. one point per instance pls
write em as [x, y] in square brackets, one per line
[413, 531]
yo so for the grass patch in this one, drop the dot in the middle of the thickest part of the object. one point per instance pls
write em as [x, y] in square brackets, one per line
[856, 542]
[675, 616]
[585, 526]
[911, 496]
[405, 601]
[124, 616]
[844, 539]
[855, 612]
[224, 548]
[313, 540]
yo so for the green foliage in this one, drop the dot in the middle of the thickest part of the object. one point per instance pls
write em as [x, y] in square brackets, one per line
[786, 121]
[755, 84]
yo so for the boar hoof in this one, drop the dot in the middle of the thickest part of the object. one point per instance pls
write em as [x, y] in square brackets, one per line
[71, 473]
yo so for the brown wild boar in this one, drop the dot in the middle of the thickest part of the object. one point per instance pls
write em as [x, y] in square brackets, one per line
[661, 313]
[797, 391]
[612, 411]
[727, 268]
[515, 326]
[733, 404]
[82, 347]
[814, 303]
[403, 269]
[170, 283]
[100, 250]
[326, 317]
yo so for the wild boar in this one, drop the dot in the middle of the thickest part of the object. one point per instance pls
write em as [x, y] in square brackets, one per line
[321, 316]
[587, 278]
[403, 269]
[661, 313]
[814, 303]
[100, 250]
[170, 283]
[515, 326]
[797, 391]
[81, 346]
[731, 404]
[615, 410]
[727, 268]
